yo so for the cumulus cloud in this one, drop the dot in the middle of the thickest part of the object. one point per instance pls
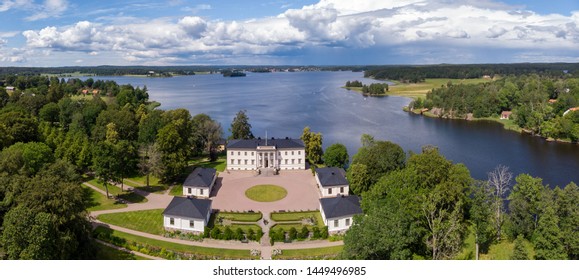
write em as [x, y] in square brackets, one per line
[326, 24]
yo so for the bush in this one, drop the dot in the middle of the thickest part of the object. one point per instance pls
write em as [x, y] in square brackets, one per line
[316, 234]
[239, 234]
[251, 234]
[227, 233]
[293, 233]
[207, 232]
[215, 233]
[259, 234]
[324, 233]
[304, 233]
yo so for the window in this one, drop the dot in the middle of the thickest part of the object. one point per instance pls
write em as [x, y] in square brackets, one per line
[201, 191]
[292, 153]
[245, 153]
[348, 222]
[245, 162]
[299, 152]
[286, 153]
[252, 161]
[286, 161]
[330, 191]
[299, 160]
[171, 221]
[238, 161]
[231, 152]
[189, 190]
[238, 153]
[293, 161]
[252, 153]
[232, 160]
[279, 153]
[191, 224]
[341, 189]
[336, 223]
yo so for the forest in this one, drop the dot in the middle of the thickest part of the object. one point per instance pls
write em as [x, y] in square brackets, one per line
[426, 207]
[539, 104]
[53, 131]
[416, 74]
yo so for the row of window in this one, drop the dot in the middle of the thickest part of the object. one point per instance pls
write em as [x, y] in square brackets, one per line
[337, 222]
[341, 190]
[253, 161]
[191, 222]
[189, 191]
[279, 153]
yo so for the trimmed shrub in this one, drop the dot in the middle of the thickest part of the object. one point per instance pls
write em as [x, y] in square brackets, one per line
[239, 234]
[293, 233]
[251, 234]
[304, 233]
[227, 233]
[215, 233]
[316, 233]
[259, 234]
[324, 233]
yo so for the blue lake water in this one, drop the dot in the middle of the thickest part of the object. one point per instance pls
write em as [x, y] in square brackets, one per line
[284, 103]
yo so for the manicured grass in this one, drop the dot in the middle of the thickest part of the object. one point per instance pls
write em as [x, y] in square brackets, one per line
[98, 201]
[108, 253]
[266, 193]
[313, 253]
[116, 191]
[239, 217]
[142, 180]
[176, 190]
[149, 221]
[187, 249]
[287, 226]
[244, 227]
[298, 216]
[142, 186]
[219, 165]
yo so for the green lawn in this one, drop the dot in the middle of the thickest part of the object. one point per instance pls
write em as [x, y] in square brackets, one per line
[330, 252]
[176, 190]
[108, 253]
[239, 217]
[116, 191]
[150, 221]
[142, 186]
[298, 216]
[266, 193]
[219, 165]
[286, 226]
[98, 201]
[187, 249]
[500, 251]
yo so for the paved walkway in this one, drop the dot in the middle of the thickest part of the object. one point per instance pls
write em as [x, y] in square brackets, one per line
[230, 187]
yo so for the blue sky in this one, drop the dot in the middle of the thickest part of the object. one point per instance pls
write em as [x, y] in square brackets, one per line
[324, 32]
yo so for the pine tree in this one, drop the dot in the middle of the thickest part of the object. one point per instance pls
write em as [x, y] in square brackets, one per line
[520, 251]
[547, 238]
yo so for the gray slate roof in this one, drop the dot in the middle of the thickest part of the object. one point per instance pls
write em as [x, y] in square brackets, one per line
[188, 208]
[200, 178]
[287, 143]
[331, 176]
[340, 206]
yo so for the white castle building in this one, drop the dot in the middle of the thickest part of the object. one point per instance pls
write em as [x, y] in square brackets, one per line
[252, 154]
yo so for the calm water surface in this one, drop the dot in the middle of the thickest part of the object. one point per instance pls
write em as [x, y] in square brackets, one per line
[284, 103]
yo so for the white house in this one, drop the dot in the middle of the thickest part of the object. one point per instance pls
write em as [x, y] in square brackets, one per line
[332, 181]
[259, 153]
[338, 212]
[200, 182]
[187, 214]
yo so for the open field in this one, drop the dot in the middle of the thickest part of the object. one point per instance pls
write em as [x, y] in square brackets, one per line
[415, 90]
[149, 221]
[314, 253]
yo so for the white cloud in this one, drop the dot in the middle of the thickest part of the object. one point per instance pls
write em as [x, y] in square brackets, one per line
[50, 8]
[329, 23]
[6, 5]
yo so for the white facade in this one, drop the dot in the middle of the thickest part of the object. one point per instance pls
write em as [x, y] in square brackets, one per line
[198, 191]
[185, 224]
[330, 191]
[338, 224]
[266, 157]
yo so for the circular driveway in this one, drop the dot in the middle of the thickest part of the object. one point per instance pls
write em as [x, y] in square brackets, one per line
[229, 191]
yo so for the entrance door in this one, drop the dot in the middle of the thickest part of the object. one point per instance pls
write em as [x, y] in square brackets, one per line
[266, 162]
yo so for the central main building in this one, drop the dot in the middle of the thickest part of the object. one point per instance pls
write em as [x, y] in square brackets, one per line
[258, 153]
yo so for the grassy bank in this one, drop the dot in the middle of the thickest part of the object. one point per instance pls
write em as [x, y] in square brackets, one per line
[313, 253]
[99, 201]
[149, 221]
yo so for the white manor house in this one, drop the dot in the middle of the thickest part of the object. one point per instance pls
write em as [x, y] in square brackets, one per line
[253, 154]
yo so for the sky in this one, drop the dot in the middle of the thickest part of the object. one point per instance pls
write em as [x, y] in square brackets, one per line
[48, 33]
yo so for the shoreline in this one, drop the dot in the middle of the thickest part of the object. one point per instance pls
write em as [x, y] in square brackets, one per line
[507, 124]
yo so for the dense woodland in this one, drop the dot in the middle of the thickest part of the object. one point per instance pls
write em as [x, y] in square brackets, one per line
[415, 74]
[424, 207]
[537, 102]
[54, 130]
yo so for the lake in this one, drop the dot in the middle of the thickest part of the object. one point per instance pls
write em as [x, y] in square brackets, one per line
[284, 103]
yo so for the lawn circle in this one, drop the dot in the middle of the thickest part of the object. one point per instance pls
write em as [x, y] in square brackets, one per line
[266, 193]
